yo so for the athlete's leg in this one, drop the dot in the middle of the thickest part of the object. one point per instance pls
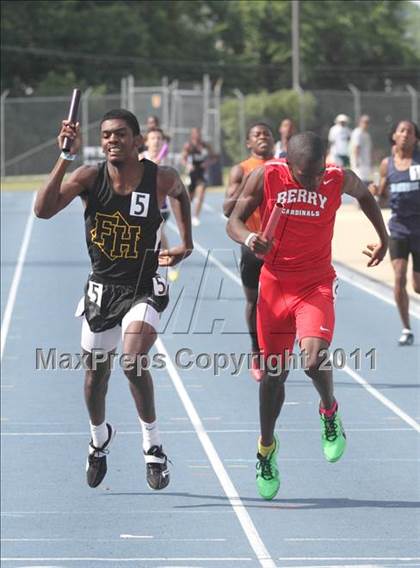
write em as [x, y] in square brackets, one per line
[415, 252]
[399, 251]
[251, 296]
[318, 368]
[200, 191]
[407, 336]
[400, 289]
[99, 364]
[272, 395]
[95, 388]
[164, 243]
[315, 320]
[250, 269]
[100, 348]
[276, 334]
[139, 338]
[416, 282]
[139, 334]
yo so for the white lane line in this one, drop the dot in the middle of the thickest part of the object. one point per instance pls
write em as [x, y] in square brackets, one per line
[10, 304]
[176, 432]
[211, 209]
[322, 460]
[122, 536]
[146, 537]
[208, 207]
[371, 390]
[344, 558]
[120, 560]
[383, 399]
[242, 514]
[207, 254]
[19, 514]
[358, 280]
[380, 291]
[138, 536]
[341, 565]
[192, 539]
[204, 559]
[299, 539]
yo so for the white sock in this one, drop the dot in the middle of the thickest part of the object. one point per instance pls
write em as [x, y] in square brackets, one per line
[151, 435]
[99, 434]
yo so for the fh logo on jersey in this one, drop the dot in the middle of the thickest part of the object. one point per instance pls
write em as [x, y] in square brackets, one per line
[115, 237]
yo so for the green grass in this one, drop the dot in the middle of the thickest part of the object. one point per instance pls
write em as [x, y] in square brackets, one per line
[22, 183]
[33, 183]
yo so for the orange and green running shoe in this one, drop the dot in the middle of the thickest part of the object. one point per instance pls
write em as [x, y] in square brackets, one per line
[332, 434]
[268, 477]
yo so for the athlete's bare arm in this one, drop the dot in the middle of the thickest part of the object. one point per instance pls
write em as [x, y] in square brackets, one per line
[381, 190]
[233, 190]
[356, 188]
[251, 198]
[212, 156]
[169, 184]
[56, 194]
[185, 153]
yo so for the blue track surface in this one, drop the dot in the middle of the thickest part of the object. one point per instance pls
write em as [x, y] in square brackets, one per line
[362, 511]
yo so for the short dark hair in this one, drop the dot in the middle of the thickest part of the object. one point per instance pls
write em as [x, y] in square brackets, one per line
[396, 125]
[155, 129]
[306, 147]
[264, 124]
[125, 115]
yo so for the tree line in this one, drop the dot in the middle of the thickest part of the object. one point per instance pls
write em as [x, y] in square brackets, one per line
[48, 46]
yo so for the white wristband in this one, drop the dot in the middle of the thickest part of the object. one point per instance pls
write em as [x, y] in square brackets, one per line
[67, 156]
[249, 239]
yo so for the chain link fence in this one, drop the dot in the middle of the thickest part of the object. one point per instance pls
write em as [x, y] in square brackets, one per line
[29, 125]
[384, 109]
[29, 120]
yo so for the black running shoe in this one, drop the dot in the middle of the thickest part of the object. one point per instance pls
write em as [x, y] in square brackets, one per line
[157, 472]
[96, 462]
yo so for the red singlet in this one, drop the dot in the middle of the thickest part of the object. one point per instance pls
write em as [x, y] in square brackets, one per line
[297, 280]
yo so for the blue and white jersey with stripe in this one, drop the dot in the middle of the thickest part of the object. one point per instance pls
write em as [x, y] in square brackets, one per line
[404, 187]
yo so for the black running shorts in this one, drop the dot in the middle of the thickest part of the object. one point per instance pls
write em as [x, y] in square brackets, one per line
[403, 247]
[106, 304]
[197, 177]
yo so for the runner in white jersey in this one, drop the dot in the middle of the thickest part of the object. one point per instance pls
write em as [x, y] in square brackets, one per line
[361, 150]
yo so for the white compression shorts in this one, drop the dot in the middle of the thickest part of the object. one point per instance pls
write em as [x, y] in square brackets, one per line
[109, 339]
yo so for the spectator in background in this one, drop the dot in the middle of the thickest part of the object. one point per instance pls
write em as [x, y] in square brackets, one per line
[196, 156]
[339, 139]
[400, 181]
[152, 122]
[286, 130]
[361, 150]
[155, 144]
[260, 143]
